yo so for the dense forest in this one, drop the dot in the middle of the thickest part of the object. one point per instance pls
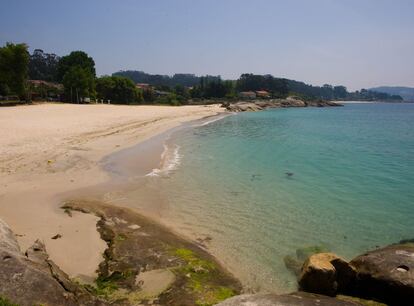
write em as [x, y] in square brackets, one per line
[206, 87]
[72, 78]
[184, 79]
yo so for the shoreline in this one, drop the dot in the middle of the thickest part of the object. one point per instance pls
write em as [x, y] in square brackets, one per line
[42, 166]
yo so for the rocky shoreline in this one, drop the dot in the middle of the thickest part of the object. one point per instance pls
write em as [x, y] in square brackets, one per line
[144, 264]
[379, 277]
[258, 105]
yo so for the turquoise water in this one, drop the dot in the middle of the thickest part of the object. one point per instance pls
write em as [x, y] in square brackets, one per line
[350, 187]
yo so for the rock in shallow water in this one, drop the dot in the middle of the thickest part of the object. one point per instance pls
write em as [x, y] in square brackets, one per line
[326, 273]
[387, 274]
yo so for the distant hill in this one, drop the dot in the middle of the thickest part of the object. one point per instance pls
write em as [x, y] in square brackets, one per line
[250, 82]
[407, 93]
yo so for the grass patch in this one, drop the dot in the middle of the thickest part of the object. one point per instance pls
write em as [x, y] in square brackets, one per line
[215, 296]
[6, 302]
[108, 287]
[202, 275]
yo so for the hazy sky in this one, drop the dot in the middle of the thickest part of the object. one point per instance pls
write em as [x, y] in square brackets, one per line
[357, 43]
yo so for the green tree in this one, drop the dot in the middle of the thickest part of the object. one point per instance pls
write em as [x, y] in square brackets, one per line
[43, 66]
[118, 90]
[75, 58]
[14, 60]
[77, 73]
[78, 83]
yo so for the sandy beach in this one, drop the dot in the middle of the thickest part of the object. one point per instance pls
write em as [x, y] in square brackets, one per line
[48, 150]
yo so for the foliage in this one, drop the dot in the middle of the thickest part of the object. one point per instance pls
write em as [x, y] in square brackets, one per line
[212, 87]
[200, 272]
[118, 90]
[75, 58]
[169, 99]
[6, 302]
[43, 66]
[14, 60]
[78, 82]
[184, 79]
[253, 82]
[329, 92]
[44, 90]
[77, 73]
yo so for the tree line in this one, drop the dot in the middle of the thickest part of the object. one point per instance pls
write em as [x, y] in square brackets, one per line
[77, 75]
[75, 71]
[213, 87]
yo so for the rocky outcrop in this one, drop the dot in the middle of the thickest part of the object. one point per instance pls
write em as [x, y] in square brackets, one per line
[326, 273]
[297, 299]
[387, 274]
[146, 264]
[257, 105]
[33, 279]
[245, 107]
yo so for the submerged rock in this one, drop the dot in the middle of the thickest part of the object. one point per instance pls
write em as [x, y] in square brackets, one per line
[297, 299]
[306, 252]
[295, 262]
[326, 273]
[387, 274]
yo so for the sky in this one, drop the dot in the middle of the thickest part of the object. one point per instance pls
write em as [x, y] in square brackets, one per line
[356, 43]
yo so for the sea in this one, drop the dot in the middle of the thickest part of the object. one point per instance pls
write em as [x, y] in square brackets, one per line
[256, 188]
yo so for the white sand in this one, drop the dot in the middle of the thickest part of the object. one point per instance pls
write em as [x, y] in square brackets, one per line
[48, 150]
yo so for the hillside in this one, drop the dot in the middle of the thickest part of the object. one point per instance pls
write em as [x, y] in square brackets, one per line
[407, 93]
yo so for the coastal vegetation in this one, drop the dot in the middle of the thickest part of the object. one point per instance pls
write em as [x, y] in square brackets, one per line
[6, 302]
[14, 61]
[72, 78]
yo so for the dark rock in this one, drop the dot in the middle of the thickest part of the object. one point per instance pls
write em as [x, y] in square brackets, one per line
[293, 264]
[57, 236]
[406, 241]
[34, 279]
[326, 273]
[387, 274]
[297, 299]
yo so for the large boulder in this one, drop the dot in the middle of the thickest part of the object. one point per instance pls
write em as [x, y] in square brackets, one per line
[387, 274]
[33, 279]
[326, 273]
[297, 299]
[7, 239]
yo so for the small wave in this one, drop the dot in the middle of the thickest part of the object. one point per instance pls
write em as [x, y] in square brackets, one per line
[212, 120]
[170, 160]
